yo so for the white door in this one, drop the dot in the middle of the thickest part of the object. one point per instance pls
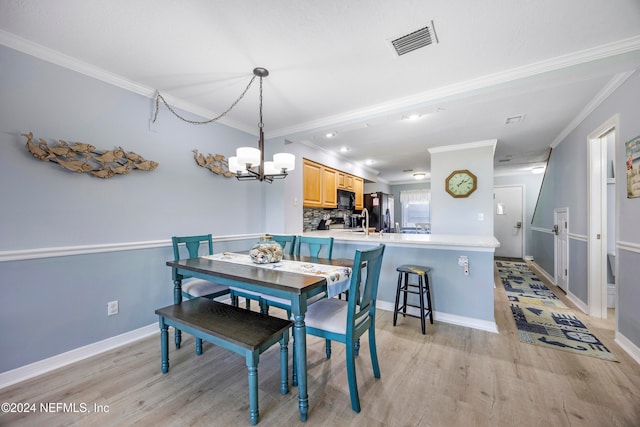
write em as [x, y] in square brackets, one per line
[508, 221]
[561, 229]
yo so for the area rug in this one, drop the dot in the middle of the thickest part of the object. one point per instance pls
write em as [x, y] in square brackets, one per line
[523, 286]
[541, 318]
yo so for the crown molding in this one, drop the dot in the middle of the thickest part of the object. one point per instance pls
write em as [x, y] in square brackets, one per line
[600, 97]
[55, 57]
[517, 73]
[576, 58]
[478, 144]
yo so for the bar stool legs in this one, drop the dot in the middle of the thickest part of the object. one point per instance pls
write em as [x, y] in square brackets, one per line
[422, 289]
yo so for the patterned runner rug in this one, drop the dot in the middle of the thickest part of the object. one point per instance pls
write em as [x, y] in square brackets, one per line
[542, 318]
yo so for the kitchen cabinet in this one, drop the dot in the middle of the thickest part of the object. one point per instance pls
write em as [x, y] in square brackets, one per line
[311, 184]
[349, 181]
[340, 180]
[345, 181]
[320, 185]
[358, 188]
[329, 189]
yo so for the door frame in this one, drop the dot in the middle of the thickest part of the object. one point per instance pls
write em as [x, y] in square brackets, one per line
[597, 215]
[523, 192]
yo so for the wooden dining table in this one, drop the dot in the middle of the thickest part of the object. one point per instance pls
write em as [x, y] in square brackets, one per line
[275, 282]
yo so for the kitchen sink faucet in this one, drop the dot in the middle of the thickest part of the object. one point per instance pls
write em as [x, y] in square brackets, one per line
[365, 221]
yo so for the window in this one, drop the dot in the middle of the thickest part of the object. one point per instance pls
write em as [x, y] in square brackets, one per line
[416, 209]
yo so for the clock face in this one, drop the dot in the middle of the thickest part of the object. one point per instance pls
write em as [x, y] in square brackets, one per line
[461, 183]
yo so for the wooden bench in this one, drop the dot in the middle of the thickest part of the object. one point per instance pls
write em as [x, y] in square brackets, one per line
[242, 331]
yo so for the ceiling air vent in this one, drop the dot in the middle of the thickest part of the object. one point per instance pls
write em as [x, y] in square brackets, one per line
[415, 40]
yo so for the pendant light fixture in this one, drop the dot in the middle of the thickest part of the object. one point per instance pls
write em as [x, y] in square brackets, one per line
[248, 163]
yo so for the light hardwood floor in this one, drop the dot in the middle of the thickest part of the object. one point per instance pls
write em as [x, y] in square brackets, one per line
[453, 376]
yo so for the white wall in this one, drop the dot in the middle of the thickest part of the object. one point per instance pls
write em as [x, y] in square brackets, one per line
[451, 215]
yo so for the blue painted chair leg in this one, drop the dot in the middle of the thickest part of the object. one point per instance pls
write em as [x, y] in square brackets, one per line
[351, 375]
[356, 348]
[284, 364]
[264, 307]
[198, 346]
[374, 351]
[164, 346]
[178, 338]
[327, 348]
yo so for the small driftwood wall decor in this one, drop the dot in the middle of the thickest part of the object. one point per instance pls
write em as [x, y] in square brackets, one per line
[80, 157]
[216, 163]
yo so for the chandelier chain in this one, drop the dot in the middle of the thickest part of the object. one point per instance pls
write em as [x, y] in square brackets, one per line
[195, 122]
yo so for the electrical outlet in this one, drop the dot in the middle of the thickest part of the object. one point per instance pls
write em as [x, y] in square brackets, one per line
[462, 260]
[112, 308]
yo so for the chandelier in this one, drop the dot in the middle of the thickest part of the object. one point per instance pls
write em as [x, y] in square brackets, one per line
[248, 163]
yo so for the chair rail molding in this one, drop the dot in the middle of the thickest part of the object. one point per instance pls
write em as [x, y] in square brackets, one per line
[101, 248]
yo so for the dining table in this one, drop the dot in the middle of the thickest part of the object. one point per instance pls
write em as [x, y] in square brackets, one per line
[278, 282]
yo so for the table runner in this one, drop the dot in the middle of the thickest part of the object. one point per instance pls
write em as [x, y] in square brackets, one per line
[338, 278]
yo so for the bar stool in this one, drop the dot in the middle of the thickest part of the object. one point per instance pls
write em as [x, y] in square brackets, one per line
[422, 288]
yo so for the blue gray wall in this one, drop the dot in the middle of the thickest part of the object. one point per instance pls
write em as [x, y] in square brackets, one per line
[50, 305]
[566, 186]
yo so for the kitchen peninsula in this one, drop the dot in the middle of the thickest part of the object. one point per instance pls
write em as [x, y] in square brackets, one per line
[465, 300]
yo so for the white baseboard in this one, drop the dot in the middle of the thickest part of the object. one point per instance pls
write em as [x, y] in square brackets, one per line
[574, 299]
[468, 322]
[543, 272]
[43, 366]
[630, 348]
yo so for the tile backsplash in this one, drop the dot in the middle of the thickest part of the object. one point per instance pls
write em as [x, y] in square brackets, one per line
[311, 216]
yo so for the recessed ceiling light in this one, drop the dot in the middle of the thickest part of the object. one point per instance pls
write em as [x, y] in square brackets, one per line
[419, 175]
[344, 149]
[538, 169]
[330, 134]
[412, 117]
[370, 162]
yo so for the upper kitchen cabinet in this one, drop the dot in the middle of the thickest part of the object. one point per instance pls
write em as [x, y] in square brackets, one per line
[320, 185]
[358, 188]
[345, 181]
[329, 193]
[311, 184]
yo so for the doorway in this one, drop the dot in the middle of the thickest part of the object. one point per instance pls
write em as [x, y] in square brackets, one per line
[561, 244]
[508, 220]
[599, 162]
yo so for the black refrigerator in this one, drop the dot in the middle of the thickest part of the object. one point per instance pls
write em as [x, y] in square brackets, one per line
[380, 208]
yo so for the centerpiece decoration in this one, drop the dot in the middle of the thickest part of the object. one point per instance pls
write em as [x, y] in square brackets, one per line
[266, 251]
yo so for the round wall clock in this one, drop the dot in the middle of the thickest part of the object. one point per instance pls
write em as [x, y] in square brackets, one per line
[461, 183]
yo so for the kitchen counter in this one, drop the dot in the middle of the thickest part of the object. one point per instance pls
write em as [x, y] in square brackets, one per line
[439, 241]
[458, 297]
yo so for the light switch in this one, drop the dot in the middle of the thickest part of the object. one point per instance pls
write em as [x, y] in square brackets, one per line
[480, 216]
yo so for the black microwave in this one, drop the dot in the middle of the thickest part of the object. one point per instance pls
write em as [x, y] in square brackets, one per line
[346, 199]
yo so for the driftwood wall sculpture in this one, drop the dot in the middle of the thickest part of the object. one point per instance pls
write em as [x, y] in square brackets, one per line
[216, 163]
[80, 157]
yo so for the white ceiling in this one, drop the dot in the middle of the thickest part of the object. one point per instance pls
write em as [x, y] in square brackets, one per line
[332, 67]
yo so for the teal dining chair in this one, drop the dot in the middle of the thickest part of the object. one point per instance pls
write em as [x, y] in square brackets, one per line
[287, 241]
[193, 288]
[189, 247]
[315, 246]
[345, 321]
